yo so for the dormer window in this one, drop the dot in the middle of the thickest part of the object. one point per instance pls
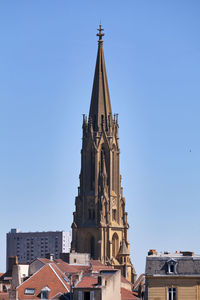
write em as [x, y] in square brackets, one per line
[45, 293]
[171, 266]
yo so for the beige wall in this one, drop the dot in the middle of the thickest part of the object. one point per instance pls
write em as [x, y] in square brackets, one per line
[187, 288]
[112, 289]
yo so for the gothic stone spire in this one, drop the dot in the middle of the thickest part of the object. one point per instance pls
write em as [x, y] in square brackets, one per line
[100, 220]
[100, 107]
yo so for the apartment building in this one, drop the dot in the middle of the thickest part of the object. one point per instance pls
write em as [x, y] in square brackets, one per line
[29, 245]
[172, 276]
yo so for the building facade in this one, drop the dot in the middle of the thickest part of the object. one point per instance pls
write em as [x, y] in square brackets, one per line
[29, 245]
[57, 279]
[172, 276]
[100, 225]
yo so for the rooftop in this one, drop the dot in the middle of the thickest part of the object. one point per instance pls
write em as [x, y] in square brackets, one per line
[166, 254]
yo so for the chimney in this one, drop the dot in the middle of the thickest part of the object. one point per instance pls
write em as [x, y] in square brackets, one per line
[50, 256]
[12, 260]
[187, 253]
[13, 295]
[152, 252]
[16, 276]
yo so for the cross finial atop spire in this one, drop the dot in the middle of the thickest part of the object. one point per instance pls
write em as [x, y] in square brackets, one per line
[100, 34]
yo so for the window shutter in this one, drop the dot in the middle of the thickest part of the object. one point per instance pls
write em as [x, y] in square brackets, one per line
[92, 295]
[80, 295]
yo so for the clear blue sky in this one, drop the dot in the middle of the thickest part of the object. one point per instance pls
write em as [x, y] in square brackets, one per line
[47, 59]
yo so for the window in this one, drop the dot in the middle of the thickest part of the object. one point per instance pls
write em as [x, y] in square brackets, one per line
[89, 214]
[115, 244]
[114, 215]
[67, 280]
[45, 293]
[5, 290]
[29, 292]
[92, 245]
[86, 295]
[80, 295]
[172, 294]
[92, 295]
[171, 266]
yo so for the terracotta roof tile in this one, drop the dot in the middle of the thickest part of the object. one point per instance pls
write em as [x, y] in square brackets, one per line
[140, 280]
[124, 280]
[128, 295]
[97, 266]
[49, 275]
[45, 260]
[88, 282]
[4, 296]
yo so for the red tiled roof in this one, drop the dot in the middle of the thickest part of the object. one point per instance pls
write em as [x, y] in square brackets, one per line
[45, 260]
[140, 280]
[124, 280]
[97, 266]
[91, 280]
[128, 295]
[88, 282]
[4, 296]
[64, 266]
[49, 275]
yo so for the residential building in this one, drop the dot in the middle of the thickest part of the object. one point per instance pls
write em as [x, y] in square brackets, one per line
[56, 279]
[29, 245]
[101, 286]
[100, 225]
[172, 276]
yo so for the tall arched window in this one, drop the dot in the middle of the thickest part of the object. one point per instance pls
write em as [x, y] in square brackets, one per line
[92, 245]
[114, 168]
[115, 244]
[92, 171]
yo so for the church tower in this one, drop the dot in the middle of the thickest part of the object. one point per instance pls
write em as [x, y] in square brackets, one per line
[100, 221]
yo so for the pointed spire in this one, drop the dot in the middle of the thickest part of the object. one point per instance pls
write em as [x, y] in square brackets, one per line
[123, 250]
[100, 107]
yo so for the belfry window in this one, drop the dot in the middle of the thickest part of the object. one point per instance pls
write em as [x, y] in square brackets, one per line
[115, 244]
[114, 215]
[92, 169]
[91, 214]
[92, 243]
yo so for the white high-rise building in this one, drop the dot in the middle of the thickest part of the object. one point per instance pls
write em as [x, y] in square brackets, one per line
[29, 245]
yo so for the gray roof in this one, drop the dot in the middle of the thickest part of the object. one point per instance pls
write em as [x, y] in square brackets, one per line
[185, 265]
[123, 250]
